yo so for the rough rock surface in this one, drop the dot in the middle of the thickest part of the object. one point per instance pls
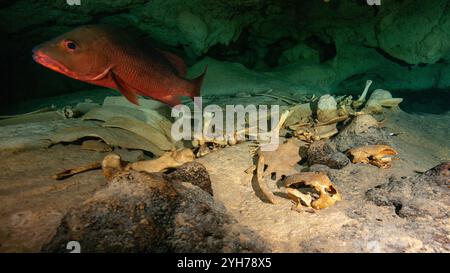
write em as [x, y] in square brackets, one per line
[424, 195]
[322, 152]
[221, 74]
[194, 173]
[140, 212]
[363, 130]
[424, 39]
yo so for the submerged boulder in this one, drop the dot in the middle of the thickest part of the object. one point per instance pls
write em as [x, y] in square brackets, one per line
[363, 130]
[323, 153]
[140, 212]
[424, 195]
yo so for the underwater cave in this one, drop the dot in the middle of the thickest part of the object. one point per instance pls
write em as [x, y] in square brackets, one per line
[358, 93]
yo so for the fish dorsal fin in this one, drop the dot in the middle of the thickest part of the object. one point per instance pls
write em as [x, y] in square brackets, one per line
[124, 88]
[176, 62]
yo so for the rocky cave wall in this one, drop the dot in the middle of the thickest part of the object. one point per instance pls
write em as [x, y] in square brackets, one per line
[328, 46]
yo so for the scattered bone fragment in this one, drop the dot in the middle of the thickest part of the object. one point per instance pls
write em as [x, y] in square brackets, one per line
[111, 165]
[301, 198]
[325, 131]
[250, 169]
[326, 108]
[266, 139]
[322, 193]
[115, 137]
[345, 107]
[302, 201]
[282, 161]
[148, 111]
[262, 182]
[333, 121]
[379, 99]
[151, 132]
[206, 140]
[69, 111]
[300, 113]
[68, 173]
[124, 125]
[314, 133]
[377, 155]
[202, 150]
[168, 160]
[130, 155]
[360, 101]
[309, 98]
[363, 123]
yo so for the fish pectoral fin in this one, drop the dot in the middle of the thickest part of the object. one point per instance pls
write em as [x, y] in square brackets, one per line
[124, 89]
[170, 100]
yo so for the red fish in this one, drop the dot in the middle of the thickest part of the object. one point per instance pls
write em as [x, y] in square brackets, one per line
[109, 57]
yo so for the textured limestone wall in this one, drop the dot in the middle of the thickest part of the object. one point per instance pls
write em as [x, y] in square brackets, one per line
[331, 47]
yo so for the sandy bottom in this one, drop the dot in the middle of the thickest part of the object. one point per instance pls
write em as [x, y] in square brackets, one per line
[33, 204]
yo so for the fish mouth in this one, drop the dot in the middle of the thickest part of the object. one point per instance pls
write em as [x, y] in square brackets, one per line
[47, 61]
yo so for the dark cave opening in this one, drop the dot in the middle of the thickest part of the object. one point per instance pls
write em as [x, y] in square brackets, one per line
[327, 49]
[431, 101]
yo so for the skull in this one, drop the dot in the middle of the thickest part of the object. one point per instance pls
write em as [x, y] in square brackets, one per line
[311, 189]
[381, 98]
[111, 165]
[377, 155]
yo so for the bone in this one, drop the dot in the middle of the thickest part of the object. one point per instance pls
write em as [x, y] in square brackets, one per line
[265, 137]
[379, 99]
[320, 182]
[360, 101]
[299, 197]
[299, 113]
[262, 182]
[111, 164]
[77, 170]
[326, 108]
[168, 160]
[377, 155]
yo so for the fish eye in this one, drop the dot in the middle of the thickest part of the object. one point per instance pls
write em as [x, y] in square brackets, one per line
[71, 45]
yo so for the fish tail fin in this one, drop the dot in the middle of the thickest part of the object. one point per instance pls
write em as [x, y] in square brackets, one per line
[197, 84]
